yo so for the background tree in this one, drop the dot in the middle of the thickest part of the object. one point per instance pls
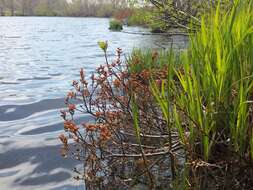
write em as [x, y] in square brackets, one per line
[2, 6]
[181, 13]
[102, 8]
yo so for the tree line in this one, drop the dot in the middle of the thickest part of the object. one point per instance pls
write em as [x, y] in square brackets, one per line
[99, 8]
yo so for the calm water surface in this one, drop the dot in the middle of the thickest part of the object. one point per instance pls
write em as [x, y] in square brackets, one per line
[39, 57]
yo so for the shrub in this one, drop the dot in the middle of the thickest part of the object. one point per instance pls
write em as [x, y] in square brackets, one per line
[140, 17]
[108, 146]
[147, 17]
[116, 25]
[123, 14]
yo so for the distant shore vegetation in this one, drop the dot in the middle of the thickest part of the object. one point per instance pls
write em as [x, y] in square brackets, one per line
[75, 8]
[156, 15]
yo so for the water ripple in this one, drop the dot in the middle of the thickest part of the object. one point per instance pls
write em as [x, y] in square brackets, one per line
[25, 110]
[39, 57]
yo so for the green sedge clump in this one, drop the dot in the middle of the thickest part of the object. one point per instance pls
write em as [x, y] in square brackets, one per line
[115, 25]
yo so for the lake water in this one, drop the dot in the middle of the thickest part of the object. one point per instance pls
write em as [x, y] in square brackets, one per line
[39, 57]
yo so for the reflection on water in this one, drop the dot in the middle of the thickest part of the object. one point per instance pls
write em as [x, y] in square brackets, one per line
[39, 57]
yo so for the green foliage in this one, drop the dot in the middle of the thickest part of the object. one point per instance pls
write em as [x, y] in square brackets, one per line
[207, 97]
[115, 25]
[7, 13]
[216, 79]
[146, 17]
[220, 63]
[136, 122]
[139, 17]
[147, 60]
[42, 9]
[170, 14]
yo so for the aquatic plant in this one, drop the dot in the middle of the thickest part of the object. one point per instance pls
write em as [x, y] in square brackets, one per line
[210, 102]
[115, 25]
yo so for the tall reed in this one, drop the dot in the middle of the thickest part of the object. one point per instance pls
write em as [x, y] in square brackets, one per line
[211, 90]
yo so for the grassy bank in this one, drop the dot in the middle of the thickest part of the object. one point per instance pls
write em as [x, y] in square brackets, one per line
[171, 120]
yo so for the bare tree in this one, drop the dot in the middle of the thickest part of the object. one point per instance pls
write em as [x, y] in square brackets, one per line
[61, 7]
[12, 7]
[181, 13]
[2, 6]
